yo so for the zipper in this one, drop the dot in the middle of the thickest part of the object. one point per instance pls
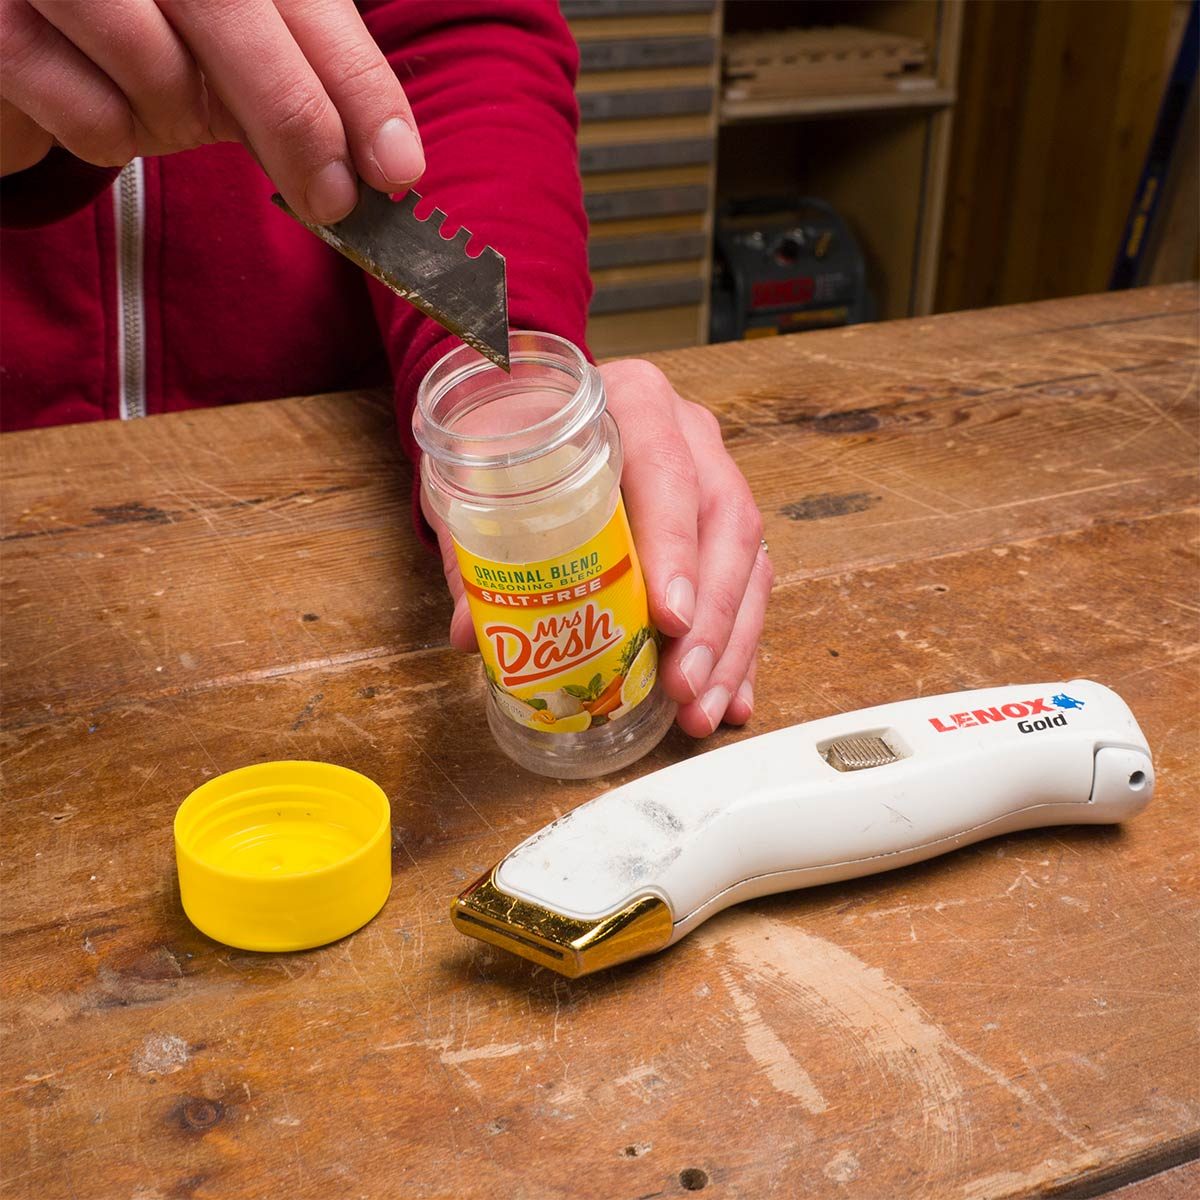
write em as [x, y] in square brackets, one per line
[129, 207]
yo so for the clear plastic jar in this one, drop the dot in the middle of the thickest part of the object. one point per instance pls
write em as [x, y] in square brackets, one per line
[524, 469]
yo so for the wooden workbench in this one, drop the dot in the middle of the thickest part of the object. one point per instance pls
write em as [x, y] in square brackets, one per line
[987, 497]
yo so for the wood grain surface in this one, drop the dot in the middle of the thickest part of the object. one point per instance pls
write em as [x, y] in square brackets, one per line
[1045, 161]
[987, 497]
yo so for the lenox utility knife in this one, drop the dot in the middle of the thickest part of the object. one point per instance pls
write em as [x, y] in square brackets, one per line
[468, 296]
[636, 869]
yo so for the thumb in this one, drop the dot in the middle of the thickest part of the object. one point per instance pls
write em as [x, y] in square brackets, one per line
[24, 143]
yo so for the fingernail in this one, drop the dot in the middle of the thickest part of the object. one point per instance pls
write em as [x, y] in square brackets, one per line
[696, 667]
[714, 704]
[746, 694]
[331, 193]
[397, 152]
[681, 599]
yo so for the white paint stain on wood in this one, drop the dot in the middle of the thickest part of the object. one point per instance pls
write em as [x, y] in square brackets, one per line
[843, 1167]
[161, 1054]
[843, 997]
[768, 1050]
[637, 1076]
[492, 1050]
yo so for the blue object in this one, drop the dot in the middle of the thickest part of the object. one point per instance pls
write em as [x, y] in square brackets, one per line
[1127, 268]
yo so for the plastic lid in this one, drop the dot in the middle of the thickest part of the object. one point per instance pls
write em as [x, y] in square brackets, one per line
[284, 855]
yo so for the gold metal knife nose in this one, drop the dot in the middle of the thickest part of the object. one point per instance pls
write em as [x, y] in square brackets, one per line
[568, 945]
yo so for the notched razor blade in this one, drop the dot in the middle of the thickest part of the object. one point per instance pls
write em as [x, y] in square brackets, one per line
[468, 296]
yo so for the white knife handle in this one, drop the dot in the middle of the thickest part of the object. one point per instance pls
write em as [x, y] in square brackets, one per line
[771, 813]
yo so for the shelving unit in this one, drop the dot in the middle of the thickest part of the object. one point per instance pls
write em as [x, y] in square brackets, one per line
[648, 89]
[741, 112]
[660, 149]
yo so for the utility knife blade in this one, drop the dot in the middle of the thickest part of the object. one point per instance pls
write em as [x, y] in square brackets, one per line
[468, 296]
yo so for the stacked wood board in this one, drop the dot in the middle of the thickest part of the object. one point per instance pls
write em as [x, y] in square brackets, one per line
[834, 60]
[647, 97]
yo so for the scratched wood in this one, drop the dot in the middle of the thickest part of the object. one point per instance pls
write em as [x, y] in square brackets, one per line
[919, 437]
[951, 503]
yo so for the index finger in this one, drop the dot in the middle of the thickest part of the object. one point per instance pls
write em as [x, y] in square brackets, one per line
[379, 124]
[252, 61]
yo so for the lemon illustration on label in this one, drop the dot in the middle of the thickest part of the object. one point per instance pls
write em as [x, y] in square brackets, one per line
[518, 710]
[573, 724]
[642, 673]
[548, 713]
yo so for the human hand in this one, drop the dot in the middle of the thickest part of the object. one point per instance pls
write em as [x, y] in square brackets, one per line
[698, 534]
[300, 82]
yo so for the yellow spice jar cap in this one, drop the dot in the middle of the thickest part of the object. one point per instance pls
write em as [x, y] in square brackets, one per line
[283, 855]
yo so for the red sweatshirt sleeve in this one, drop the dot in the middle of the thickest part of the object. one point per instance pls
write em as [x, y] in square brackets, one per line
[491, 83]
[57, 187]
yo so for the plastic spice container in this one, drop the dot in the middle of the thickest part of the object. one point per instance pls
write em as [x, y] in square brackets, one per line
[525, 471]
